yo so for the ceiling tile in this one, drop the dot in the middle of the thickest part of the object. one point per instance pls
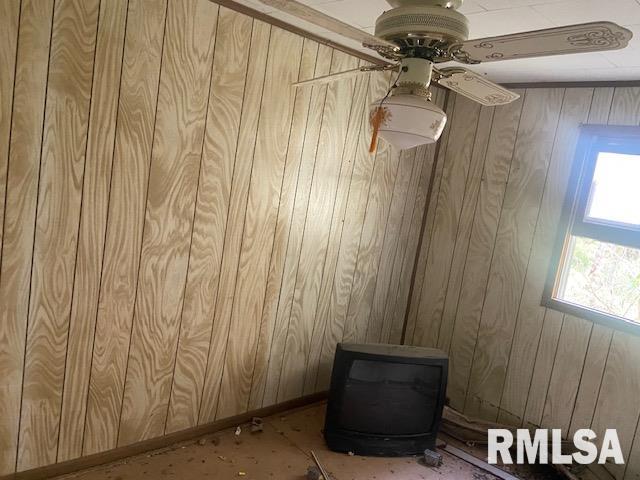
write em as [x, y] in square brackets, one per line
[356, 12]
[471, 6]
[501, 22]
[624, 12]
[502, 4]
[630, 56]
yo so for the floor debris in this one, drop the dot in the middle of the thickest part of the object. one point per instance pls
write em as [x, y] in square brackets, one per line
[324, 473]
[432, 459]
[257, 425]
[461, 454]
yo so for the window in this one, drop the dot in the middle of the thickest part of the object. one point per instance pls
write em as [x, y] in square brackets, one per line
[595, 270]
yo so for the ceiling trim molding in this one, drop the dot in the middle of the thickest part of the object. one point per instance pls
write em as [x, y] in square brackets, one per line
[297, 30]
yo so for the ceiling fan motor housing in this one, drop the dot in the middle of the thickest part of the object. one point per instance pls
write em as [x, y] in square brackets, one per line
[415, 21]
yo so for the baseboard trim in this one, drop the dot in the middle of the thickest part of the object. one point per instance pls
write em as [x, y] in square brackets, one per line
[160, 442]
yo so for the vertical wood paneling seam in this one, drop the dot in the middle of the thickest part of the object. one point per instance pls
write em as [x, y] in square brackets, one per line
[440, 145]
[4, 215]
[475, 210]
[459, 216]
[346, 202]
[277, 216]
[524, 283]
[295, 201]
[493, 249]
[304, 228]
[104, 241]
[75, 263]
[633, 441]
[526, 404]
[553, 364]
[324, 327]
[244, 221]
[193, 221]
[13, 105]
[406, 250]
[427, 206]
[146, 200]
[384, 237]
[224, 239]
[366, 209]
[35, 218]
[586, 352]
[606, 362]
[584, 364]
[333, 283]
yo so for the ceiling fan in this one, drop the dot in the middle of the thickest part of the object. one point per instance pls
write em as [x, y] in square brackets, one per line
[418, 35]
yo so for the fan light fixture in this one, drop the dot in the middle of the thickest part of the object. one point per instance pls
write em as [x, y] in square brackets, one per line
[407, 116]
[419, 35]
[411, 120]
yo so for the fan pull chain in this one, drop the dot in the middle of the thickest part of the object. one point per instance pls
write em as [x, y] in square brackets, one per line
[377, 117]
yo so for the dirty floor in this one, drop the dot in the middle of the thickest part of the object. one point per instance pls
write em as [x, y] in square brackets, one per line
[280, 451]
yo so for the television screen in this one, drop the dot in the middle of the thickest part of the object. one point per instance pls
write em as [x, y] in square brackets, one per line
[377, 396]
[385, 400]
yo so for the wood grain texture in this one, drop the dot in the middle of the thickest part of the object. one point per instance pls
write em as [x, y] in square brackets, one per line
[173, 180]
[229, 249]
[390, 314]
[426, 156]
[565, 377]
[333, 310]
[93, 224]
[619, 383]
[575, 110]
[543, 367]
[58, 214]
[315, 243]
[513, 243]
[283, 68]
[464, 227]
[127, 202]
[621, 380]
[426, 225]
[448, 208]
[280, 309]
[371, 243]
[9, 24]
[511, 359]
[244, 157]
[389, 246]
[478, 257]
[211, 218]
[293, 173]
[358, 121]
[23, 164]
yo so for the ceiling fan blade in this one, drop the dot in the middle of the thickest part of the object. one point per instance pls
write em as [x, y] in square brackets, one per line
[311, 15]
[474, 86]
[346, 74]
[585, 37]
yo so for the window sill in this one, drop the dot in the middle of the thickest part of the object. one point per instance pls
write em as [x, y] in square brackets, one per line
[611, 321]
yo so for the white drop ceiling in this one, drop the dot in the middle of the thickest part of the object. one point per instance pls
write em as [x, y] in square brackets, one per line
[498, 17]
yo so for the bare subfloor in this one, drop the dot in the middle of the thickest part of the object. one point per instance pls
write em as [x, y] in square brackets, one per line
[280, 452]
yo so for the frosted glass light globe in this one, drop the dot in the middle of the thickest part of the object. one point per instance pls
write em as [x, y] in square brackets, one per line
[411, 120]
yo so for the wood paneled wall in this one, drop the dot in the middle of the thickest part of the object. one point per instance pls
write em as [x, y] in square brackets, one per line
[490, 229]
[184, 236]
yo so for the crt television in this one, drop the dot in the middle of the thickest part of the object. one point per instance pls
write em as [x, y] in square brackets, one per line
[385, 400]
